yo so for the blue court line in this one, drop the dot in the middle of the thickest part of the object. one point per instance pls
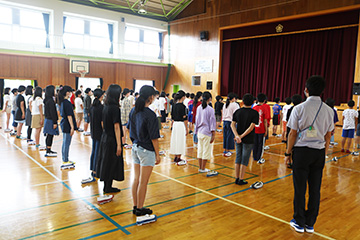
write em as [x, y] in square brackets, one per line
[68, 187]
[100, 234]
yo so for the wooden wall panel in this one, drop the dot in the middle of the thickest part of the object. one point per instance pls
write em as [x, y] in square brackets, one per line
[186, 46]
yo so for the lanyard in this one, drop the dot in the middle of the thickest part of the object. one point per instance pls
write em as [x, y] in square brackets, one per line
[312, 124]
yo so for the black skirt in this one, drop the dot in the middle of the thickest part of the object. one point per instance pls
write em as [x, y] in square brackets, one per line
[109, 166]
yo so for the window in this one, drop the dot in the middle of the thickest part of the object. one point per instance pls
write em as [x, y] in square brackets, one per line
[139, 83]
[141, 42]
[15, 83]
[86, 34]
[21, 25]
[91, 83]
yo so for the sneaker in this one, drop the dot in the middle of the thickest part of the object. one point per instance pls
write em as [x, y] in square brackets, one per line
[355, 153]
[266, 148]
[128, 146]
[342, 150]
[204, 170]
[166, 127]
[212, 173]
[241, 182]
[176, 160]
[142, 211]
[145, 219]
[283, 141]
[228, 154]
[51, 154]
[161, 136]
[30, 142]
[20, 137]
[279, 135]
[261, 161]
[257, 185]
[348, 151]
[274, 134]
[80, 130]
[190, 132]
[86, 133]
[335, 143]
[296, 226]
[181, 162]
[105, 199]
[42, 148]
[13, 134]
[7, 130]
[88, 180]
[309, 229]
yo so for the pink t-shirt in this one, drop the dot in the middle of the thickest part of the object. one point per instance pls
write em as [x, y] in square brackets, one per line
[228, 112]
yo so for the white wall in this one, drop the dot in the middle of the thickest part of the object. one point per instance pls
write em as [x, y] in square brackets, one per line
[59, 7]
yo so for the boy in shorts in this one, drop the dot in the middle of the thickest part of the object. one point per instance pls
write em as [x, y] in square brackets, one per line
[276, 115]
[350, 118]
[218, 112]
[243, 127]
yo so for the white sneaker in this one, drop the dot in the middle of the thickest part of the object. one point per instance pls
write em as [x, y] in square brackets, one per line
[204, 171]
[88, 180]
[145, 219]
[161, 136]
[266, 148]
[228, 154]
[195, 145]
[42, 148]
[7, 130]
[212, 173]
[261, 161]
[162, 152]
[181, 163]
[86, 133]
[166, 127]
[105, 199]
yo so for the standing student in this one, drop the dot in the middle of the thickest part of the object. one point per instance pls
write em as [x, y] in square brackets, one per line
[37, 120]
[79, 109]
[155, 106]
[261, 130]
[126, 106]
[28, 117]
[110, 162]
[51, 128]
[96, 131]
[311, 125]
[196, 104]
[187, 100]
[218, 112]
[190, 113]
[350, 119]
[162, 107]
[7, 107]
[296, 100]
[276, 115]
[228, 111]
[87, 105]
[243, 127]
[179, 127]
[331, 103]
[68, 122]
[268, 109]
[205, 127]
[13, 110]
[284, 121]
[144, 132]
[20, 111]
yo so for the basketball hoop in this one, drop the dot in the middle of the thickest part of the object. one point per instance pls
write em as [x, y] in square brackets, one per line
[82, 73]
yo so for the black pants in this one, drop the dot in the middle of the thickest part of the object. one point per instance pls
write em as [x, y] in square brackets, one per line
[308, 165]
[29, 131]
[258, 146]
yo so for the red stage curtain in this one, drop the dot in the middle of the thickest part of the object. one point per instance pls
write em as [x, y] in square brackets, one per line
[279, 66]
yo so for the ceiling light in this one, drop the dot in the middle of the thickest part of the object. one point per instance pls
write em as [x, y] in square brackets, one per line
[142, 9]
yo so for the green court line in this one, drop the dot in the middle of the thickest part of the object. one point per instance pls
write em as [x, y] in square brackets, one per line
[63, 228]
[227, 184]
[154, 204]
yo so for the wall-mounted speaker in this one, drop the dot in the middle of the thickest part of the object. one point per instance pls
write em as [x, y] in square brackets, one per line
[356, 89]
[204, 35]
[209, 85]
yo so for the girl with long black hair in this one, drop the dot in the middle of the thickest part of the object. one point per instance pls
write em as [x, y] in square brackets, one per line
[179, 128]
[51, 128]
[110, 165]
[228, 111]
[28, 114]
[144, 132]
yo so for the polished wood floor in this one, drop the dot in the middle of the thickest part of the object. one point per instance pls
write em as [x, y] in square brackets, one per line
[40, 201]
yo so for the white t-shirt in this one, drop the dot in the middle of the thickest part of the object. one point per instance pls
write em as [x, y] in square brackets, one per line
[162, 102]
[349, 118]
[285, 110]
[28, 100]
[155, 106]
[7, 99]
[78, 103]
[228, 112]
[35, 106]
[186, 102]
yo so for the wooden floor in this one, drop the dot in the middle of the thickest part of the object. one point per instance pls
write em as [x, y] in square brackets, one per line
[40, 201]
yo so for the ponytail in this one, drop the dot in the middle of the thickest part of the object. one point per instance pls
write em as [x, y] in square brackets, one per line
[230, 97]
[179, 95]
[206, 96]
[145, 93]
[140, 104]
[197, 97]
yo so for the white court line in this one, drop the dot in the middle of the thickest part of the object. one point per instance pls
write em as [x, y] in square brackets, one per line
[48, 183]
[344, 168]
[275, 154]
[235, 203]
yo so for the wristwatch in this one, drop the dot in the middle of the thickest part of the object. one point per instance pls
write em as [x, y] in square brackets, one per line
[287, 154]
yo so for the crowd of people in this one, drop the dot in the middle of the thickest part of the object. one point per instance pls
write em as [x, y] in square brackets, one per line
[112, 115]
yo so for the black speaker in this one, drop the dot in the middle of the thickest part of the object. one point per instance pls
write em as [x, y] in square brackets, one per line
[209, 85]
[204, 35]
[356, 89]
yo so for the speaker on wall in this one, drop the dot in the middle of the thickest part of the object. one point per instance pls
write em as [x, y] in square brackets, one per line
[356, 89]
[204, 35]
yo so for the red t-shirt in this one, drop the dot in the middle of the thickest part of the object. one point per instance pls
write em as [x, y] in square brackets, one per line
[268, 109]
[194, 111]
[72, 99]
[263, 114]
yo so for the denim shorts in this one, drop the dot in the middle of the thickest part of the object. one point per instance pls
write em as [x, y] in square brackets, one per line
[143, 156]
[243, 152]
[86, 116]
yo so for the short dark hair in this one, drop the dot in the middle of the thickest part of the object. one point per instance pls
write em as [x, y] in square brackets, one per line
[14, 90]
[218, 98]
[187, 95]
[288, 100]
[261, 97]
[29, 90]
[277, 100]
[315, 85]
[77, 93]
[87, 90]
[136, 94]
[157, 92]
[330, 102]
[38, 92]
[192, 96]
[21, 88]
[296, 99]
[351, 103]
[248, 99]
[7, 91]
[163, 94]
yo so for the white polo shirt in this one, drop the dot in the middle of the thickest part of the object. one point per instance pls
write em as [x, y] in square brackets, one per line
[302, 117]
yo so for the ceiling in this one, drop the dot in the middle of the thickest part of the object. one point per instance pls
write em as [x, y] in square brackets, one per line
[165, 10]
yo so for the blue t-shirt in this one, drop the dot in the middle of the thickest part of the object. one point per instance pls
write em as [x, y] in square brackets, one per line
[276, 109]
[144, 127]
[66, 110]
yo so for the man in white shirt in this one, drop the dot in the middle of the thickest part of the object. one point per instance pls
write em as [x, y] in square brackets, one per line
[311, 124]
[79, 109]
[187, 100]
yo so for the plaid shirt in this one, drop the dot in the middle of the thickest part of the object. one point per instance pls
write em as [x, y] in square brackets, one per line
[126, 107]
